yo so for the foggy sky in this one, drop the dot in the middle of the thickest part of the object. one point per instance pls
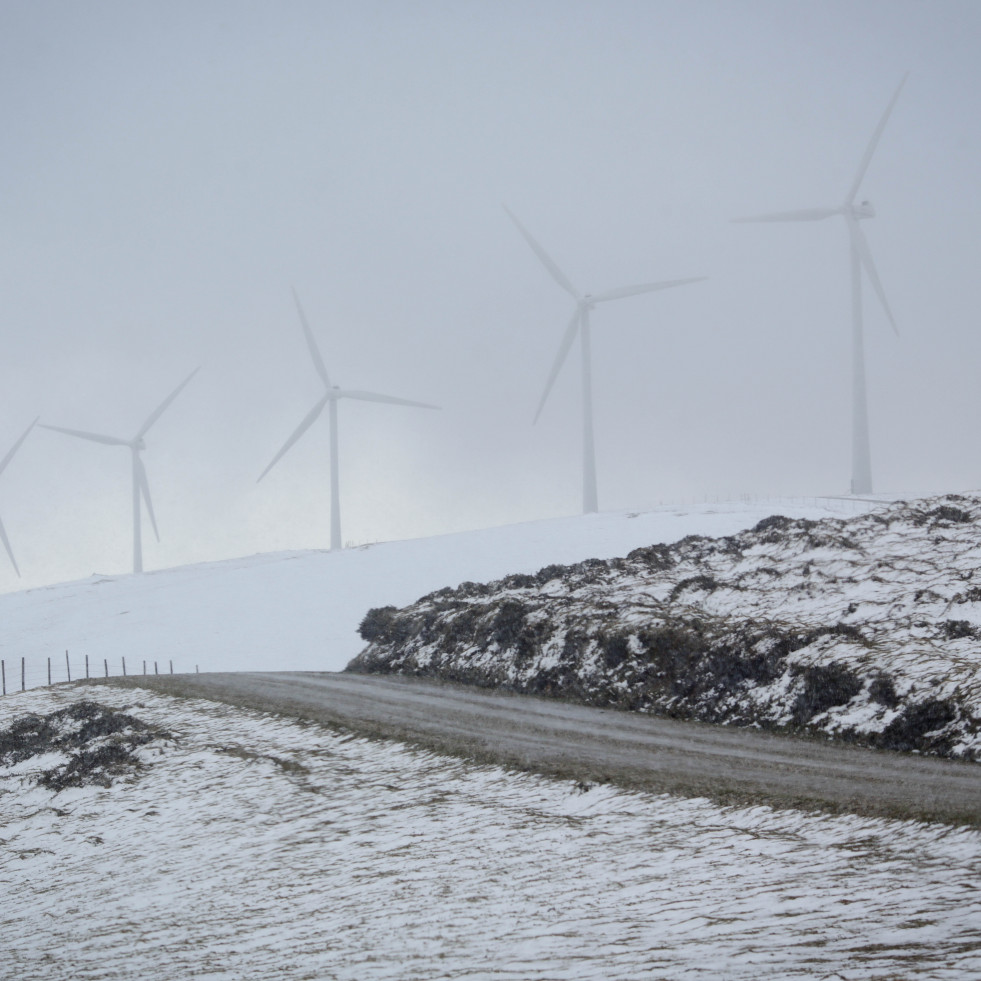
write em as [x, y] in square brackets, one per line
[169, 171]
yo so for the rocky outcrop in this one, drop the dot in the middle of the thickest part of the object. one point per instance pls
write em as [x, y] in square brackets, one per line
[864, 629]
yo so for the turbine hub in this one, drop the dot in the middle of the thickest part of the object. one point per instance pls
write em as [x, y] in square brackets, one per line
[863, 210]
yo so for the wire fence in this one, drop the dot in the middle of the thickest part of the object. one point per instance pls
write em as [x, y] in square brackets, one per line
[21, 673]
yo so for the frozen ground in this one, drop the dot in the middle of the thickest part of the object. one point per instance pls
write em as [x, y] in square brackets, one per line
[255, 847]
[299, 611]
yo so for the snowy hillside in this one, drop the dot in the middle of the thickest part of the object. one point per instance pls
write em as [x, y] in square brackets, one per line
[301, 610]
[244, 845]
[160, 837]
[867, 628]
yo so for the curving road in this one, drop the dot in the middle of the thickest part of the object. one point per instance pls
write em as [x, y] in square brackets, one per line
[596, 745]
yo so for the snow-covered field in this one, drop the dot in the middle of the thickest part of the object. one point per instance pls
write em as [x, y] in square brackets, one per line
[251, 846]
[300, 610]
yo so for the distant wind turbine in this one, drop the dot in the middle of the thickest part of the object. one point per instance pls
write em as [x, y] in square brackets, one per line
[3, 466]
[141, 486]
[331, 397]
[580, 325]
[861, 258]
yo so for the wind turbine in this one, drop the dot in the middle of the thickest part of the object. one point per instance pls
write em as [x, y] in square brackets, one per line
[3, 466]
[332, 395]
[579, 324]
[861, 258]
[141, 486]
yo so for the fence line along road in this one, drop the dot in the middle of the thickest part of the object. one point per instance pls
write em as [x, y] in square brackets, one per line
[22, 673]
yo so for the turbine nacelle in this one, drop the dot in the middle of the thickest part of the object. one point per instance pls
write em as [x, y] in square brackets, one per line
[859, 211]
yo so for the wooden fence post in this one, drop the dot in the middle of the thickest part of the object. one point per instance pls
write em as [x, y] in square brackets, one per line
[49, 670]
[124, 667]
[105, 661]
[23, 686]
[144, 667]
[86, 666]
[68, 666]
[171, 667]
[3, 672]
[155, 671]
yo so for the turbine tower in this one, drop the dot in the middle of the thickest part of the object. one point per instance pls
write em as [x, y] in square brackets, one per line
[580, 325]
[3, 466]
[861, 258]
[141, 486]
[332, 395]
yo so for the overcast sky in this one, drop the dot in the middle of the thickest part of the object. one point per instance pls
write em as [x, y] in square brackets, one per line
[169, 170]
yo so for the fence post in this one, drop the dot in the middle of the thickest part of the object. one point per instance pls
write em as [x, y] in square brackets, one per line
[23, 686]
[196, 671]
[49, 670]
[105, 661]
[124, 667]
[68, 666]
[144, 667]
[86, 667]
[155, 671]
[171, 667]
[3, 671]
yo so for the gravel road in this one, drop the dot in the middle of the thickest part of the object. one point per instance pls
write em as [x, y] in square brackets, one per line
[598, 745]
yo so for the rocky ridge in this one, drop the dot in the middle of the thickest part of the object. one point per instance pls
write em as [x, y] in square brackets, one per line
[866, 629]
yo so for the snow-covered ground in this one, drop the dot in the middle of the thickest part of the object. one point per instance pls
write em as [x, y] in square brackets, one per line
[301, 610]
[255, 846]
[251, 846]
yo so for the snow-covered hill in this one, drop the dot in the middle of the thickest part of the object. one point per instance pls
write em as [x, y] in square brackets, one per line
[192, 838]
[867, 628]
[301, 610]
[239, 844]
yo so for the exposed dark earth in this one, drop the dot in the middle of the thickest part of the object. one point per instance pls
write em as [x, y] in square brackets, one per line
[88, 744]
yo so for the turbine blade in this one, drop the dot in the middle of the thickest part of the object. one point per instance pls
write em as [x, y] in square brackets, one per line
[318, 361]
[375, 397]
[567, 338]
[159, 410]
[547, 261]
[864, 165]
[10, 551]
[865, 255]
[642, 288]
[805, 214]
[308, 421]
[16, 446]
[95, 437]
[145, 491]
